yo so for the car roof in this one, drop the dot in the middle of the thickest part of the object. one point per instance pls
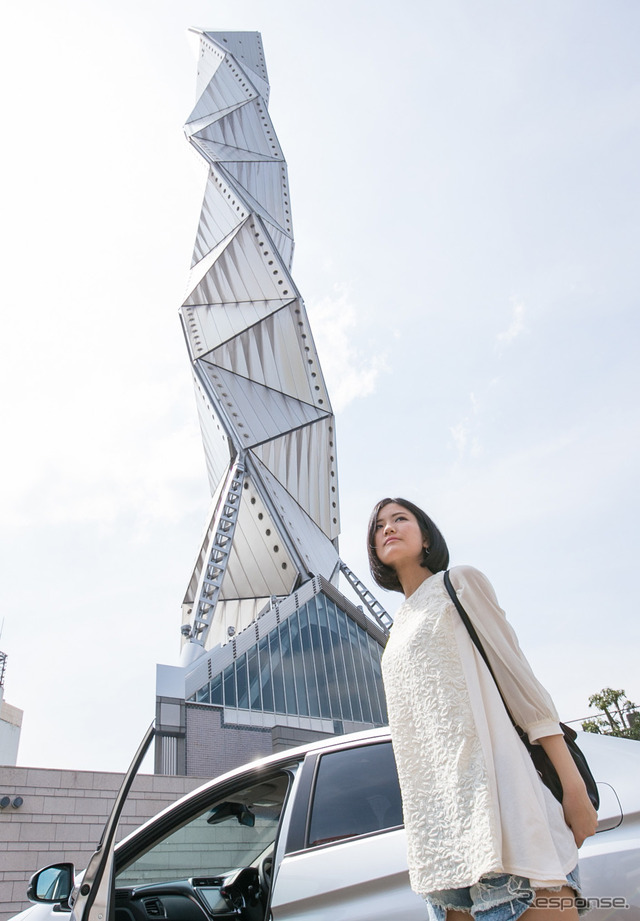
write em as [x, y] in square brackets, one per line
[269, 762]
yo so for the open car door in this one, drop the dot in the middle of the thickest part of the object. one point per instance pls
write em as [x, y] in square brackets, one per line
[92, 897]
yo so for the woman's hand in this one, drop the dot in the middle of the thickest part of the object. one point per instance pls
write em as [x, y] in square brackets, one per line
[579, 813]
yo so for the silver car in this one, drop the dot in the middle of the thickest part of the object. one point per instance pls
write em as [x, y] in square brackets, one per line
[311, 833]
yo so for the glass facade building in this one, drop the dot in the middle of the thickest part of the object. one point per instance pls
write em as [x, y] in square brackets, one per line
[307, 667]
[317, 663]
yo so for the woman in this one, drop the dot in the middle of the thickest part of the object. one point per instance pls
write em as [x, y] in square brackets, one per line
[484, 835]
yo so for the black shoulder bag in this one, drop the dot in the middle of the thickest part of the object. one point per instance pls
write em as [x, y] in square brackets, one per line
[541, 760]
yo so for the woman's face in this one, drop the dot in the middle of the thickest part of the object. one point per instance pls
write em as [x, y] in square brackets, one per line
[397, 538]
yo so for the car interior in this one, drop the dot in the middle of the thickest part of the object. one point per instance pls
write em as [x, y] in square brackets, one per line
[215, 864]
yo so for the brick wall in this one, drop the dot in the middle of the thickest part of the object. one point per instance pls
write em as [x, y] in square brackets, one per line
[62, 817]
[214, 748]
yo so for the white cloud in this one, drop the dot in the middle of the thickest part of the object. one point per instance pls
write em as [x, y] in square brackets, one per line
[349, 373]
[466, 438]
[541, 481]
[460, 433]
[466, 433]
[97, 441]
[516, 327]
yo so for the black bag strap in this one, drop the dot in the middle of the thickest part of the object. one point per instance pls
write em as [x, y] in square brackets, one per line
[541, 761]
[476, 640]
[568, 731]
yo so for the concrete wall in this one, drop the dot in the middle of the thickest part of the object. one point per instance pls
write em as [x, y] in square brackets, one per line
[62, 817]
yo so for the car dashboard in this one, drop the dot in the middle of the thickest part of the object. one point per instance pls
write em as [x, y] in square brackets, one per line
[236, 895]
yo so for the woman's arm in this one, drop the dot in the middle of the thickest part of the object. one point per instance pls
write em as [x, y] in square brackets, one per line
[529, 702]
[579, 813]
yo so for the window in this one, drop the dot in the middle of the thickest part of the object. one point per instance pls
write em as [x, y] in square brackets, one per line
[231, 833]
[356, 793]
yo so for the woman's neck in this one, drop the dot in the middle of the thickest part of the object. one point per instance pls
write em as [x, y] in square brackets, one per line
[413, 579]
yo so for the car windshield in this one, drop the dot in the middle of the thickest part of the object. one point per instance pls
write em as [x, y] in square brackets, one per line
[229, 833]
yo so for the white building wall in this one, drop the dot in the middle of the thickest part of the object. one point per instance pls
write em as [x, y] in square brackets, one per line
[10, 724]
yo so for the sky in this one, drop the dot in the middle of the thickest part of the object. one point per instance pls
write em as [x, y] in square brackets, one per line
[465, 194]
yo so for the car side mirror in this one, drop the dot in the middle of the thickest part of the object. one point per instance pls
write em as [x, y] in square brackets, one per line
[52, 884]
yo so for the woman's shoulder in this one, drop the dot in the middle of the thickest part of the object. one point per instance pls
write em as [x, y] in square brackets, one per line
[467, 574]
[472, 585]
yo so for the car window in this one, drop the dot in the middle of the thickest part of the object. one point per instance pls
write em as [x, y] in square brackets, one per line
[356, 792]
[229, 833]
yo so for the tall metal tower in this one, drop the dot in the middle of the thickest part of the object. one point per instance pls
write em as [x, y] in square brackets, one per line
[267, 425]
[265, 414]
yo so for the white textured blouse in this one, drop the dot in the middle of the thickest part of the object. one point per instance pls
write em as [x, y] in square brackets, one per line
[472, 800]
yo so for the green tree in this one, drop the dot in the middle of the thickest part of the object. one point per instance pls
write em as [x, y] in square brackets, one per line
[618, 716]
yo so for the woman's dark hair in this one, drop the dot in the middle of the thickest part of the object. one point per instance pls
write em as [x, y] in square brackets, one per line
[436, 558]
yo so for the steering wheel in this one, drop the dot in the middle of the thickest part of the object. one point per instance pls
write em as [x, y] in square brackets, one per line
[265, 869]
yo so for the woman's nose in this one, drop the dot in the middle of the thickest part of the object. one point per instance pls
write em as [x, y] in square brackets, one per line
[388, 527]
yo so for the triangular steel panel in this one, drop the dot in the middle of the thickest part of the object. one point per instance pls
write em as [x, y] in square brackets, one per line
[199, 124]
[201, 268]
[255, 568]
[249, 269]
[259, 564]
[266, 189]
[246, 47]
[273, 353]
[227, 89]
[225, 205]
[247, 128]
[257, 413]
[208, 326]
[315, 547]
[222, 212]
[220, 153]
[283, 243]
[304, 461]
[215, 440]
[210, 57]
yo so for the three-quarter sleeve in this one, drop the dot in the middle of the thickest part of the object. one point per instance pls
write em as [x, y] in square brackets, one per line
[530, 704]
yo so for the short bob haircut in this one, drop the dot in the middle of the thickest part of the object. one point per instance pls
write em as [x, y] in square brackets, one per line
[436, 559]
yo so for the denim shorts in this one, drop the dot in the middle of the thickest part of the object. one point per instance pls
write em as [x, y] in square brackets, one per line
[496, 897]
